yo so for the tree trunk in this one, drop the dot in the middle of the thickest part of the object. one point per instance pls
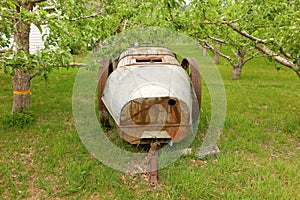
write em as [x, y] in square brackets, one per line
[236, 72]
[22, 30]
[217, 56]
[298, 72]
[21, 79]
[204, 53]
[21, 89]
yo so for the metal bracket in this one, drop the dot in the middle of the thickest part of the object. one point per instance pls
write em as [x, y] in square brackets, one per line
[207, 152]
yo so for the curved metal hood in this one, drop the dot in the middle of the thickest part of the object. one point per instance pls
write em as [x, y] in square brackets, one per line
[145, 81]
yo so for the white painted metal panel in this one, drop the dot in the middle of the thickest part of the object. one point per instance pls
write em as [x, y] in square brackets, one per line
[145, 81]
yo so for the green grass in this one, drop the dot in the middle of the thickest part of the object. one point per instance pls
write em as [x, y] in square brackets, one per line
[260, 156]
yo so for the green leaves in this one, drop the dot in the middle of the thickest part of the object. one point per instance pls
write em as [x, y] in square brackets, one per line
[9, 70]
[12, 4]
[277, 24]
[20, 120]
[72, 31]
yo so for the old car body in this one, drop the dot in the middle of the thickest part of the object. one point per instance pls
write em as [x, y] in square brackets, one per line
[150, 95]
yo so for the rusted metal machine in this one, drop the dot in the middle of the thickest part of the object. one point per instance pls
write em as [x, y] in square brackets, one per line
[150, 96]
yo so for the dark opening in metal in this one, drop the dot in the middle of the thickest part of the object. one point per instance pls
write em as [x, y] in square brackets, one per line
[149, 60]
[172, 102]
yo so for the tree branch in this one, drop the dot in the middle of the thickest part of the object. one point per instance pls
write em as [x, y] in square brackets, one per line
[89, 16]
[262, 48]
[3, 50]
[6, 49]
[255, 54]
[244, 33]
[77, 64]
[46, 8]
[249, 58]
[210, 23]
[34, 74]
[36, 1]
[287, 55]
[275, 56]
[217, 40]
[8, 16]
[37, 71]
[209, 46]
[260, 45]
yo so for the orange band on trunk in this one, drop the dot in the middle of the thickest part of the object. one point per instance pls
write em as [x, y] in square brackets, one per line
[20, 92]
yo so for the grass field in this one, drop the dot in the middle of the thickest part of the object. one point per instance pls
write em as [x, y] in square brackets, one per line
[260, 146]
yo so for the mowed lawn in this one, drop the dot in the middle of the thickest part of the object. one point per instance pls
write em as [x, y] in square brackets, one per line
[260, 146]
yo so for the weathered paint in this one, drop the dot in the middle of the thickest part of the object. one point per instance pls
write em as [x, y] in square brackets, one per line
[150, 93]
[135, 56]
[145, 81]
[157, 114]
[104, 72]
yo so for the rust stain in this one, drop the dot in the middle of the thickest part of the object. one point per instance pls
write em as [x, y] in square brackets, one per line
[141, 115]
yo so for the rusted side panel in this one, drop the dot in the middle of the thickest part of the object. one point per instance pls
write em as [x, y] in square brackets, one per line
[133, 134]
[195, 75]
[196, 78]
[196, 81]
[104, 72]
[154, 114]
